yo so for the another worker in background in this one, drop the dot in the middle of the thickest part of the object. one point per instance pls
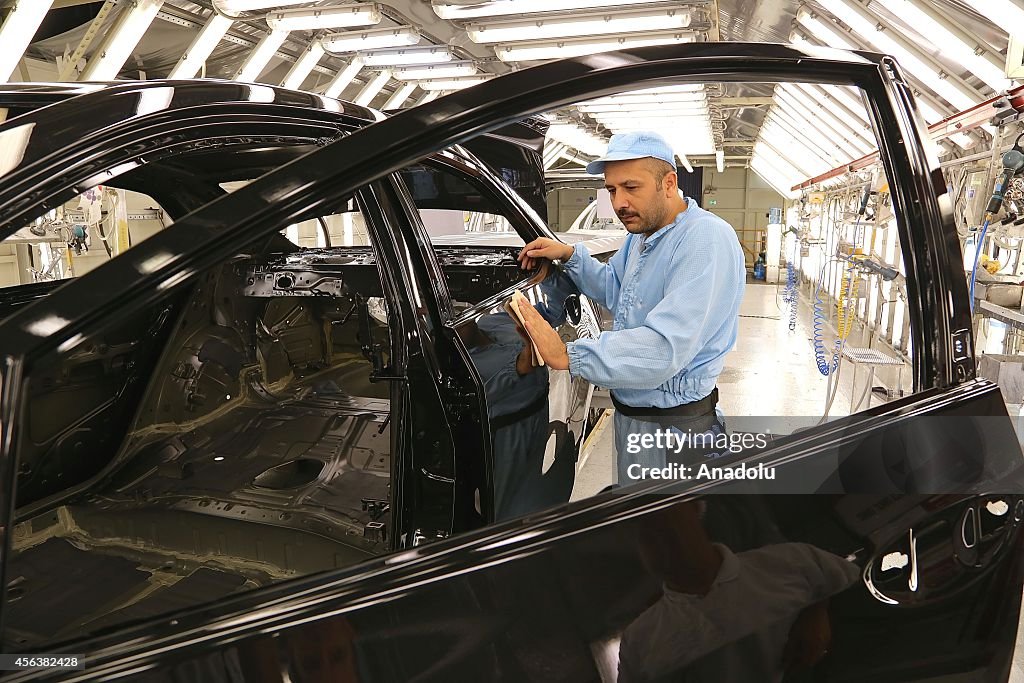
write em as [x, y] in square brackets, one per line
[674, 289]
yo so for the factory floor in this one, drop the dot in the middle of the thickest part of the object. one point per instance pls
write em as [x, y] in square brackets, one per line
[771, 371]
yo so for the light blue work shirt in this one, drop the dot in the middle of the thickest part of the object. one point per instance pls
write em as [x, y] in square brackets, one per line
[675, 297]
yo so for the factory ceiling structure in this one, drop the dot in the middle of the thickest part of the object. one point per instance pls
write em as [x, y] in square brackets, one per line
[406, 52]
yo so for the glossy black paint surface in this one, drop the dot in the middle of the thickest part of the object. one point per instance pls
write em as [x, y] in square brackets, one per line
[545, 597]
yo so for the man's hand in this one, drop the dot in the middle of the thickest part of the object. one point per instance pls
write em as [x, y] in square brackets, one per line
[552, 348]
[543, 247]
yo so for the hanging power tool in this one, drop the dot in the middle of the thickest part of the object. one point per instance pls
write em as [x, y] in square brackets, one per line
[1013, 164]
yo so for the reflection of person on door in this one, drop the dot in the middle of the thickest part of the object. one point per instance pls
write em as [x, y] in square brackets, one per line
[728, 617]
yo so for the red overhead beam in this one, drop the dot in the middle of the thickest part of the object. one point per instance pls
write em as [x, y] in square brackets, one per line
[968, 119]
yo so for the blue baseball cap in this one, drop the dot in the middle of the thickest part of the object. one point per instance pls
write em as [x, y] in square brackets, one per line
[634, 145]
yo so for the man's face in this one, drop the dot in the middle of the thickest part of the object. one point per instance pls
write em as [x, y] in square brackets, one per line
[639, 199]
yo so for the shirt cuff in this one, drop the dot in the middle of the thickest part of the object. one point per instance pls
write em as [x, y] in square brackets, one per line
[575, 359]
[573, 264]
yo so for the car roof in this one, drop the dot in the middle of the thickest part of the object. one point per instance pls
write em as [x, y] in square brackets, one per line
[20, 98]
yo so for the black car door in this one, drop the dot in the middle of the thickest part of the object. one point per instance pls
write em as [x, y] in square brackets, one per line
[606, 585]
[534, 422]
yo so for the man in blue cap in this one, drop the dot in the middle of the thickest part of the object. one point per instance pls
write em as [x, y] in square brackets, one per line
[674, 289]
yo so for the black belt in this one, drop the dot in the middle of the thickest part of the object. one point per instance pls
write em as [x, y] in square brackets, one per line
[534, 406]
[704, 406]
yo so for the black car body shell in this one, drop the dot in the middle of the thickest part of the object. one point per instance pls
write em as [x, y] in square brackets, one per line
[516, 571]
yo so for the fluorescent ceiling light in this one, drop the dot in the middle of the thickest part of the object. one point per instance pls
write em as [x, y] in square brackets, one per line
[344, 78]
[122, 38]
[764, 147]
[861, 22]
[856, 126]
[575, 25]
[303, 66]
[401, 36]
[201, 48]
[260, 56]
[788, 134]
[822, 119]
[371, 89]
[1007, 14]
[784, 163]
[433, 54]
[400, 96]
[494, 8]
[774, 178]
[21, 24]
[454, 83]
[429, 97]
[577, 47]
[799, 156]
[828, 33]
[847, 97]
[238, 6]
[808, 123]
[720, 160]
[577, 138]
[930, 24]
[696, 105]
[324, 17]
[448, 70]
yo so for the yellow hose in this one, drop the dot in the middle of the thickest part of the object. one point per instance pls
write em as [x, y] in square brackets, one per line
[846, 306]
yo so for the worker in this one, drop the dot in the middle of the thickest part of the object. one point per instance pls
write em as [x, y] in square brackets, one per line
[674, 289]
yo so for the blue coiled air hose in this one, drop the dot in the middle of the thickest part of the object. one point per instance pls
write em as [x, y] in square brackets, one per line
[977, 257]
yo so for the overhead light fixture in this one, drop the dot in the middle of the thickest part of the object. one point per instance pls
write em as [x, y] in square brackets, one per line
[775, 179]
[201, 48]
[720, 160]
[260, 56]
[371, 89]
[402, 36]
[433, 54]
[805, 125]
[238, 6]
[686, 162]
[122, 38]
[855, 125]
[573, 136]
[496, 8]
[17, 31]
[429, 97]
[455, 83]
[805, 160]
[972, 55]
[1008, 14]
[577, 24]
[764, 147]
[576, 47]
[653, 107]
[825, 122]
[325, 17]
[447, 70]
[828, 33]
[400, 96]
[846, 96]
[794, 135]
[303, 66]
[860, 21]
[344, 78]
